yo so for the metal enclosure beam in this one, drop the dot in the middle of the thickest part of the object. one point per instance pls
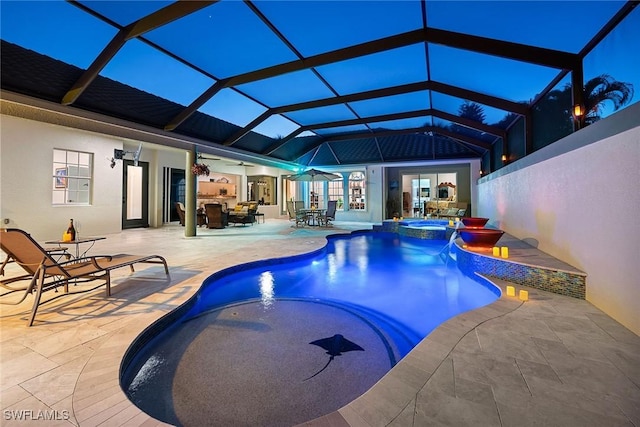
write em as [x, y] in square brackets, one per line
[157, 19]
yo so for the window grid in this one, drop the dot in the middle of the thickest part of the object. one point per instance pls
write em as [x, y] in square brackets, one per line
[335, 192]
[357, 194]
[317, 195]
[71, 177]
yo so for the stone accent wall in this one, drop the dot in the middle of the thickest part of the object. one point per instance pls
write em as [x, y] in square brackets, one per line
[423, 233]
[556, 281]
[572, 284]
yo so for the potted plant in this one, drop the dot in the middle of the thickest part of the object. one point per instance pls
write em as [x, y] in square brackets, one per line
[200, 169]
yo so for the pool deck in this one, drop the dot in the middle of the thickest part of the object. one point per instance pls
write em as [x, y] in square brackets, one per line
[553, 360]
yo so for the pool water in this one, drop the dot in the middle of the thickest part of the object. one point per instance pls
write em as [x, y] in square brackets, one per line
[431, 223]
[377, 292]
[404, 283]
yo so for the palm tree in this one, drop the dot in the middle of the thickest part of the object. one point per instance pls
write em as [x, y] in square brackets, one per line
[601, 89]
[553, 114]
[597, 91]
[472, 111]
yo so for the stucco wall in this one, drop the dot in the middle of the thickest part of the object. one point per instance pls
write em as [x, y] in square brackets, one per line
[25, 188]
[580, 206]
[26, 148]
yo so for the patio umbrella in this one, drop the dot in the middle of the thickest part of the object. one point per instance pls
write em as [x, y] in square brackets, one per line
[312, 175]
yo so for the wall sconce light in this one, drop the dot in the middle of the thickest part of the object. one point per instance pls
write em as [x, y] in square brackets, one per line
[504, 157]
[578, 111]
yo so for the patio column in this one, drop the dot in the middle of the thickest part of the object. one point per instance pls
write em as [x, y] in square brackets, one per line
[190, 196]
[577, 97]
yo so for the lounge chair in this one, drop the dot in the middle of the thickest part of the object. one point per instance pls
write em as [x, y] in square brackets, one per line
[44, 273]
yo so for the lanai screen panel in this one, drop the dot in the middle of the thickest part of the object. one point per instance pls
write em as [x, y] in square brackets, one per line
[379, 70]
[409, 123]
[463, 130]
[329, 113]
[20, 20]
[508, 79]
[560, 25]
[392, 104]
[137, 64]
[341, 129]
[452, 105]
[224, 39]
[290, 88]
[316, 27]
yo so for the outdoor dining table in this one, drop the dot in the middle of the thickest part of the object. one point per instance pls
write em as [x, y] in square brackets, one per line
[313, 215]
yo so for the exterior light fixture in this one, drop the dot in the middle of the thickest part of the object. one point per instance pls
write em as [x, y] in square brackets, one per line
[578, 111]
[504, 157]
[120, 155]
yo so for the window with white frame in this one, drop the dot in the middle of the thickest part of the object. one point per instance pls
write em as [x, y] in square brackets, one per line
[317, 194]
[72, 171]
[357, 195]
[335, 192]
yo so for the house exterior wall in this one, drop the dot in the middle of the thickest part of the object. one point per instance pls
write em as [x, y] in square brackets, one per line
[26, 163]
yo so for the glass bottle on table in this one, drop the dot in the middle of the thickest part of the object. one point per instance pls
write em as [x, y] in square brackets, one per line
[71, 230]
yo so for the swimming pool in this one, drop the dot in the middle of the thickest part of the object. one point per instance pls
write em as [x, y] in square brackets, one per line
[429, 223]
[279, 342]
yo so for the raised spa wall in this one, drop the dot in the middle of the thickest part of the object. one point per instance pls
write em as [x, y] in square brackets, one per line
[569, 283]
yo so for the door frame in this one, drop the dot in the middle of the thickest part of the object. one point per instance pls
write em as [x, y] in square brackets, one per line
[139, 222]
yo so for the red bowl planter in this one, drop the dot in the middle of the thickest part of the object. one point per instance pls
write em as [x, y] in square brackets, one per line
[480, 237]
[474, 222]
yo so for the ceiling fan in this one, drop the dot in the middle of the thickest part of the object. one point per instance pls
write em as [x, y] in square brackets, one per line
[202, 157]
[240, 164]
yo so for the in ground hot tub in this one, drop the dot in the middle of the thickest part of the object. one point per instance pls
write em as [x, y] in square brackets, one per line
[432, 229]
